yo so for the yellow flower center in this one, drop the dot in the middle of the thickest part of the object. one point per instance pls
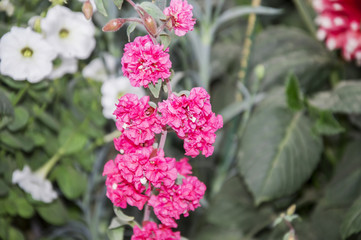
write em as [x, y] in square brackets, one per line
[27, 52]
[63, 33]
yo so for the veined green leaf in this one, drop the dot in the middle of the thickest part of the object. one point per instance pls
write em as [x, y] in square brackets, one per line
[118, 3]
[153, 10]
[100, 7]
[352, 221]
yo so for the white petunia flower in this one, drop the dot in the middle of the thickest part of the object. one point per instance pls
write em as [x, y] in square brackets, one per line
[7, 6]
[69, 32]
[112, 90]
[99, 71]
[39, 188]
[66, 65]
[24, 54]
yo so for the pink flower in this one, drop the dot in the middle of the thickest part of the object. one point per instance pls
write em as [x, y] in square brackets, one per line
[339, 22]
[180, 16]
[137, 120]
[172, 202]
[150, 231]
[124, 146]
[183, 167]
[143, 62]
[193, 120]
[121, 192]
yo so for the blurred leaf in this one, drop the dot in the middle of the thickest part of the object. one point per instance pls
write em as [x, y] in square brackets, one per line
[130, 29]
[71, 141]
[121, 216]
[214, 232]
[155, 89]
[233, 208]
[46, 118]
[153, 10]
[100, 7]
[327, 124]
[345, 98]
[345, 186]
[293, 93]
[161, 4]
[118, 3]
[282, 50]
[352, 222]
[54, 213]
[290, 151]
[15, 234]
[236, 12]
[20, 120]
[6, 109]
[16, 141]
[12, 83]
[116, 234]
[71, 182]
[165, 39]
[4, 188]
[25, 210]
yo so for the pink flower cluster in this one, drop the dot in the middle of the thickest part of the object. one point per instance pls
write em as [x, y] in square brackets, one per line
[193, 120]
[151, 231]
[339, 22]
[180, 15]
[144, 62]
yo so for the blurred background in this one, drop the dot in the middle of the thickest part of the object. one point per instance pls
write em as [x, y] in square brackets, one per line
[291, 135]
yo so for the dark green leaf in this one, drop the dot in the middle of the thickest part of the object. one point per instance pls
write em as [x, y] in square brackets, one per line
[352, 222]
[54, 213]
[20, 120]
[71, 182]
[290, 151]
[25, 210]
[155, 89]
[327, 124]
[15, 234]
[293, 93]
[12, 83]
[16, 141]
[345, 98]
[153, 10]
[6, 109]
[100, 7]
[118, 3]
[130, 29]
[71, 141]
[4, 188]
[46, 118]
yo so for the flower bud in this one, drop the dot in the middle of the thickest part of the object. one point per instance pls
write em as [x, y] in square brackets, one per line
[87, 10]
[150, 24]
[114, 25]
[291, 210]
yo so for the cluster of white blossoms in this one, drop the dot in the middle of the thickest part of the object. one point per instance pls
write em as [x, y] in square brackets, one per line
[66, 36]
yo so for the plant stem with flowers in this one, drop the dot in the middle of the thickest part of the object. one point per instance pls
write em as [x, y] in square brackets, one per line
[141, 175]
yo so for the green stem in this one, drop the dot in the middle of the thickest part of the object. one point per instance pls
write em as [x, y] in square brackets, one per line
[21, 94]
[45, 169]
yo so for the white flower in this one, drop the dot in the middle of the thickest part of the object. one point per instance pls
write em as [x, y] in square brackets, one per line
[25, 54]
[69, 32]
[112, 90]
[92, 3]
[39, 188]
[98, 71]
[66, 65]
[7, 6]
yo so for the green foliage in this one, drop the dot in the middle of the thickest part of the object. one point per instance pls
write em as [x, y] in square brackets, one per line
[100, 7]
[71, 182]
[352, 221]
[153, 10]
[118, 3]
[155, 89]
[293, 93]
[290, 151]
[54, 213]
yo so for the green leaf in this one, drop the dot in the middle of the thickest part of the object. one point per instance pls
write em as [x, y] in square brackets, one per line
[161, 4]
[12, 83]
[352, 221]
[71, 141]
[4, 188]
[233, 208]
[116, 234]
[20, 120]
[293, 93]
[16, 141]
[155, 89]
[290, 151]
[54, 213]
[327, 124]
[153, 10]
[118, 3]
[282, 50]
[165, 39]
[130, 29]
[15, 234]
[25, 210]
[46, 118]
[71, 182]
[100, 7]
[6, 109]
[345, 98]
[344, 186]
[121, 216]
